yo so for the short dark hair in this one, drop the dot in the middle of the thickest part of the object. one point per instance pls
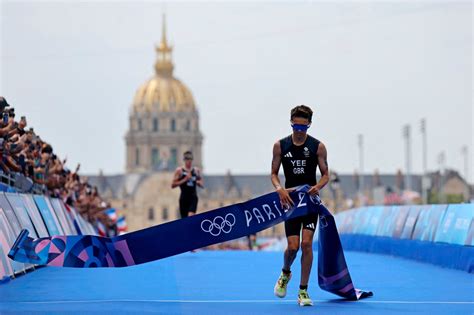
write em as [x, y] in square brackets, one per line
[188, 154]
[302, 111]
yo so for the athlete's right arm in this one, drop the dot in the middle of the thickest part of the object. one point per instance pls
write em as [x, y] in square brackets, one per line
[285, 198]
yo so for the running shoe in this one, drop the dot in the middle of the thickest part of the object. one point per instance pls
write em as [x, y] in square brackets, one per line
[280, 286]
[304, 299]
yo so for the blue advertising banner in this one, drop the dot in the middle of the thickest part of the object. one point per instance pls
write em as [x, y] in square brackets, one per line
[410, 222]
[428, 222]
[454, 227]
[401, 215]
[49, 217]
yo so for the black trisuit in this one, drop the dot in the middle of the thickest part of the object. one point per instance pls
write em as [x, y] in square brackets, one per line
[299, 165]
[188, 199]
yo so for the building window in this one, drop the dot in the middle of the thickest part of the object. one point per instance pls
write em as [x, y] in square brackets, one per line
[155, 158]
[139, 123]
[165, 214]
[173, 125]
[188, 125]
[151, 214]
[174, 158]
[137, 156]
[155, 124]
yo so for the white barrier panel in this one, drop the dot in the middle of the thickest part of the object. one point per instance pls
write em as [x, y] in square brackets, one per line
[7, 233]
[22, 214]
[6, 268]
[63, 218]
[35, 215]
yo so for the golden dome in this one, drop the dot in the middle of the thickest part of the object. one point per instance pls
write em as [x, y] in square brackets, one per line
[163, 92]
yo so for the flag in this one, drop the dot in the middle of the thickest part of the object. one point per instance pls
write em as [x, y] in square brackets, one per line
[121, 224]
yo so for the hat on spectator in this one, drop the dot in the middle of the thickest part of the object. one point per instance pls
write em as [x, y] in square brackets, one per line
[3, 103]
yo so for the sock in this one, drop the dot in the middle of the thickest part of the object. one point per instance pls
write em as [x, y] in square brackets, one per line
[286, 272]
[303, 287]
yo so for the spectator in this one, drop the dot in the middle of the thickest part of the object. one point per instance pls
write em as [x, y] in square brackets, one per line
[25, 157]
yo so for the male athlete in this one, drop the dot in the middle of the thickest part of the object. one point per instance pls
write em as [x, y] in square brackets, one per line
[300, 155]
[187, 178]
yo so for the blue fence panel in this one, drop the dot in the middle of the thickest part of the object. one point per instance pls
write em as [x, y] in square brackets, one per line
[410, 222]
[428, 222]
[454, 228]
[374, 219]
[347, 223]
[49, 217]
[386, 221]
[399, 221]
[470, 235]
[360, 220]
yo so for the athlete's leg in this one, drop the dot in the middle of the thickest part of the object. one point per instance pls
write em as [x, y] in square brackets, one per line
[306, 255]
[192, 206]
[292, 231]
[291, 251]
[183, 208]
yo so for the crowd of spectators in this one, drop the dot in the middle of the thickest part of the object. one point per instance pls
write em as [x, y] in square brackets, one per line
[29, 164]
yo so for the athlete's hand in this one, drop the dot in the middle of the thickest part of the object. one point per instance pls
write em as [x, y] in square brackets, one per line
[314, 190]
[188, 176]
[285, 199]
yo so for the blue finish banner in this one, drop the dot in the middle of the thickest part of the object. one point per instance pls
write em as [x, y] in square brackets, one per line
[212, 227]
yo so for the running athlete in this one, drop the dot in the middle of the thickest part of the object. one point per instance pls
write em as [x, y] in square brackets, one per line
[187, 178]
[300, 155]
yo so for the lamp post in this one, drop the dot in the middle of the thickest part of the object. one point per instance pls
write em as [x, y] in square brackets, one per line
[407, 136]
[360, 141]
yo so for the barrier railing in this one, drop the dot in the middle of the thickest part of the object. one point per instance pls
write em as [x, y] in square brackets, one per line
[41, 216]
[440, 234]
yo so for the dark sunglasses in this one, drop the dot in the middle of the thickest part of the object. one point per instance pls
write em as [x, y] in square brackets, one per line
[300, 127]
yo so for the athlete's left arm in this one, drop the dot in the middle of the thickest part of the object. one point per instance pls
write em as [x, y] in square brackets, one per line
[323, 168]
[199, 179]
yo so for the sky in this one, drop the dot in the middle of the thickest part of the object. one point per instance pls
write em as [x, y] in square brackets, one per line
[365, 68]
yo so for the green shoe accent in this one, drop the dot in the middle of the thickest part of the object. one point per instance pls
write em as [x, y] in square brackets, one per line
[304, 299]
[280, 286]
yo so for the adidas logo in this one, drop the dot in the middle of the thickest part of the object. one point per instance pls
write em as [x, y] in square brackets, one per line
[289, 155]
[311, 226]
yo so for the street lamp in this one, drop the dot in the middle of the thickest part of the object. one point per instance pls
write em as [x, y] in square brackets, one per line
[407, 135]
[360, 139]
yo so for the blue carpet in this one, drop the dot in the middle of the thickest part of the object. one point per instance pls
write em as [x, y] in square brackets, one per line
[236, 282]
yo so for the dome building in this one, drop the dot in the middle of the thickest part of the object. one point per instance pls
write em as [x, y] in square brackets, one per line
[163, 121]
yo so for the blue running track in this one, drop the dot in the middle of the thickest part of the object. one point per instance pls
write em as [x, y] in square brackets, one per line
[236, 282]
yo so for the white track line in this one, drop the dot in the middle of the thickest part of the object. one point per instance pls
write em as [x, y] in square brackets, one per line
[238, 301]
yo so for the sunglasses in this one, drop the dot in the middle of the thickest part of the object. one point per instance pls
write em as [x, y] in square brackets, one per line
[300, 127]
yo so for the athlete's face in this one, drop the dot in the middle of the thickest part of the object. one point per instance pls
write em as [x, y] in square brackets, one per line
[188, 163]
[300, 125]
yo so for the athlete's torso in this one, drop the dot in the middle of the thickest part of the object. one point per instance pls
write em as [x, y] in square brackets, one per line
[188, 188]
[299, 162]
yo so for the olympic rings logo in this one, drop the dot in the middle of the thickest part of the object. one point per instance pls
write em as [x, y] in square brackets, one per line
[219, 224]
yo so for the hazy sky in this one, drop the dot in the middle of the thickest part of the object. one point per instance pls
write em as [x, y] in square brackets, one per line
[73, 67]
